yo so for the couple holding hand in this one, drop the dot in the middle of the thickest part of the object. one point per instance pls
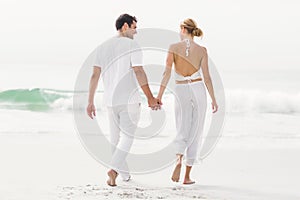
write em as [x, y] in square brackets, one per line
[121, 65]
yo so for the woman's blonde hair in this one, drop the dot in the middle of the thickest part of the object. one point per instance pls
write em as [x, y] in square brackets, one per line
[191, 26]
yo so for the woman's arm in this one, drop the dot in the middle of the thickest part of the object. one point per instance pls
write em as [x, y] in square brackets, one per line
[166, 75]
[208, 82]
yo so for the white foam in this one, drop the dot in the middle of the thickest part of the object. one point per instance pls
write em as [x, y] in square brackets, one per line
[262, 101]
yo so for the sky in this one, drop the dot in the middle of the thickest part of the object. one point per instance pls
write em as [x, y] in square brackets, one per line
[240, 35]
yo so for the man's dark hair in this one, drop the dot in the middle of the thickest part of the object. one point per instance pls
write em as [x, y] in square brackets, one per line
[125, 18]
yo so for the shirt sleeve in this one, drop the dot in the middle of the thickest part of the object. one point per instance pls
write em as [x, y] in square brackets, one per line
[136, 55]
[97, 58]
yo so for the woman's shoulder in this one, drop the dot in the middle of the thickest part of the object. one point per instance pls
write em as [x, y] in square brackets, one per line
[182, 43]
[200, 46]
[174, 45]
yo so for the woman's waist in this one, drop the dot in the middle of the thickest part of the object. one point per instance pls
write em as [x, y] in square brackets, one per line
[188, 81]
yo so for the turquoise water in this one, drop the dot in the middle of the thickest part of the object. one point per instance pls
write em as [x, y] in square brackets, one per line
[36, 99]
[237, 100]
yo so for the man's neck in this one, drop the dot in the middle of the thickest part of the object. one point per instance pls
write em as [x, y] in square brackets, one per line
[121, 34]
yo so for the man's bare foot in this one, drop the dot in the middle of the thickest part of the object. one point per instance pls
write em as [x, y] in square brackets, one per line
[112, 174]
[176, 172]
[188, 181]
[127, 179]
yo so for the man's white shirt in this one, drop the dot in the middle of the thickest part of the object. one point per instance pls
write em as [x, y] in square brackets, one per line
[116, 57]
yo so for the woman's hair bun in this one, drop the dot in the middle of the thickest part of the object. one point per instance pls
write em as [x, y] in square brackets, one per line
[191, 27]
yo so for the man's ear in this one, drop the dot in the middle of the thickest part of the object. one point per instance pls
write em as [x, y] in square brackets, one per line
[125, 26]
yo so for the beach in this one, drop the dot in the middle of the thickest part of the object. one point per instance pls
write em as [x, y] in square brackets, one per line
[49, 162]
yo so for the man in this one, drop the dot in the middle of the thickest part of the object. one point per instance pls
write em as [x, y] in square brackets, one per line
[120, 61]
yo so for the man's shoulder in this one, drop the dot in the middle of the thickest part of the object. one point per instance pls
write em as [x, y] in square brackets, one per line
[109, 42]
[118, 43]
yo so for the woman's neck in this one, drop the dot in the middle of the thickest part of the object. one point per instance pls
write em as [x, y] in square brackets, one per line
[187, 37]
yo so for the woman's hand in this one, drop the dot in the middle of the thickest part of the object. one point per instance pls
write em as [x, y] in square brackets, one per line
[153, 103]
[91, 110]
[214, 106]
[159, 100]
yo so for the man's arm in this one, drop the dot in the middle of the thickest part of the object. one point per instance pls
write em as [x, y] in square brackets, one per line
[91, 110]
[143, 82]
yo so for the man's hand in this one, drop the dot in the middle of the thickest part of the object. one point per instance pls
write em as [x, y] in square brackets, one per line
[91, 110]
[154, 103]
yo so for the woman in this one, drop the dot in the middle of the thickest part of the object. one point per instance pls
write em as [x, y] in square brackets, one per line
[190, 104]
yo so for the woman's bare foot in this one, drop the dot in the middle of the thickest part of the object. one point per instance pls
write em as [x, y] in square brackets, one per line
[188, 181]
[112, 174]
[176, 172]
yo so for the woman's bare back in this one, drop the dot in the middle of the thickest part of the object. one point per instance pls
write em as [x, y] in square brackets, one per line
[187, 65]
